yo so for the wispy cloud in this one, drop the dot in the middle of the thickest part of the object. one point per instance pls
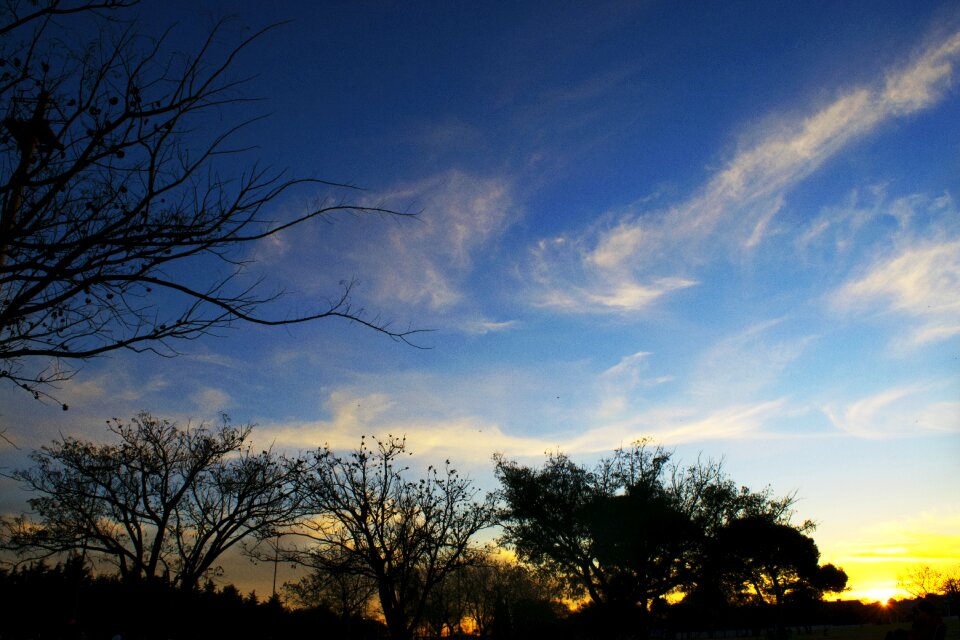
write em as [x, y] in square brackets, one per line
[210, 400]
[910, 410]
[621, 386]
[469, 440]
[575, 274]
[398, 265]
[426, 263]
[637, 257]
[740, 365]
[921, 280]
[435, 433]
[672, 425]
[927, 537]
[481, 327]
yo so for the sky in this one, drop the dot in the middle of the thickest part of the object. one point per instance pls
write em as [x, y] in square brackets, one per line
[729, 227]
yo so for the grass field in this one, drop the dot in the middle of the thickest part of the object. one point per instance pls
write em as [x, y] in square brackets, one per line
[856, 632]
[865, 632]
[879, 631]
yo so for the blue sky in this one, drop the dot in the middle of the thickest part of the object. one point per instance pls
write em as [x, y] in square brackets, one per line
[732, 228]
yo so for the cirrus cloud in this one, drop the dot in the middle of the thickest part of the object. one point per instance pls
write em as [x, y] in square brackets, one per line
[638, 256]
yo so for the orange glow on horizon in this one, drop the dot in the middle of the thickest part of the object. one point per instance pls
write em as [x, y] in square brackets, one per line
[881, 554]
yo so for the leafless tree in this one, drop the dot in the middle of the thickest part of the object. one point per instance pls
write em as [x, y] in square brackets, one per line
[923, 580]
[405, 535]
[121, 226]
[162, 502]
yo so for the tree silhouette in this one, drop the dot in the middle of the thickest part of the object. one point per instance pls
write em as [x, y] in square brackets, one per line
[767, 559]
[772, 562]
[921, 581]
[122, 225]
[629, 531]
[160, 503]
[494, 593]
[615, 533]
[405, 535]
[337, 586]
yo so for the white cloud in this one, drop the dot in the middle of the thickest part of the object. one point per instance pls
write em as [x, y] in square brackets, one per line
[642, 256]
[210, 400]
[740, 365]
[481, 327]
[620, 385]
[427, 261]
[435, 433]
[398, 265]
[627, 369]
[679, 425]
[899, 411]
[468, 440]
[570, 276]
[923, 82]
[921, 280]
[835, 229]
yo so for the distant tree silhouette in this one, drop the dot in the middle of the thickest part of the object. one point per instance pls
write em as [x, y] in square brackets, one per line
[923, 581]
[497, 593]
[445, 608]
[67, 601]
[342, 587]
[405, 535]
[121, 226]
[161, 502]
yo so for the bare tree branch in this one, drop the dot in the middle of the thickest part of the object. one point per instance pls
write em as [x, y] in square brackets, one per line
[405, 535]
[111, 190]
[161, 502]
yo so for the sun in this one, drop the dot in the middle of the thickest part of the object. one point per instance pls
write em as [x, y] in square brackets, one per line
[880, 594]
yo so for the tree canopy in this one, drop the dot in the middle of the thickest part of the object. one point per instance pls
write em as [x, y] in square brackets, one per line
[637, 527]
[161, 502]
[405, 535]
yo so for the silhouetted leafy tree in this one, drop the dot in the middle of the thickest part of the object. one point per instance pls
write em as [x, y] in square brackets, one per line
[771, 562]
[628, 531]
[117, 228]
[161, 502]
[445, 608]
[616, 532]
[768, 561]
[405, 535]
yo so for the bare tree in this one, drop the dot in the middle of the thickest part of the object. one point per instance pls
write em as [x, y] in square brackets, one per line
[162, 502]
[118, 227]
[406, 535]
[922, 581]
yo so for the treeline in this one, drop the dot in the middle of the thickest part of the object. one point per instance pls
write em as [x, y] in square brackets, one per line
[66, 601]
[638, 542]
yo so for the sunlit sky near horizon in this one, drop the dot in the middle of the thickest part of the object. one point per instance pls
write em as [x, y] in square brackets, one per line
[731, 227]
